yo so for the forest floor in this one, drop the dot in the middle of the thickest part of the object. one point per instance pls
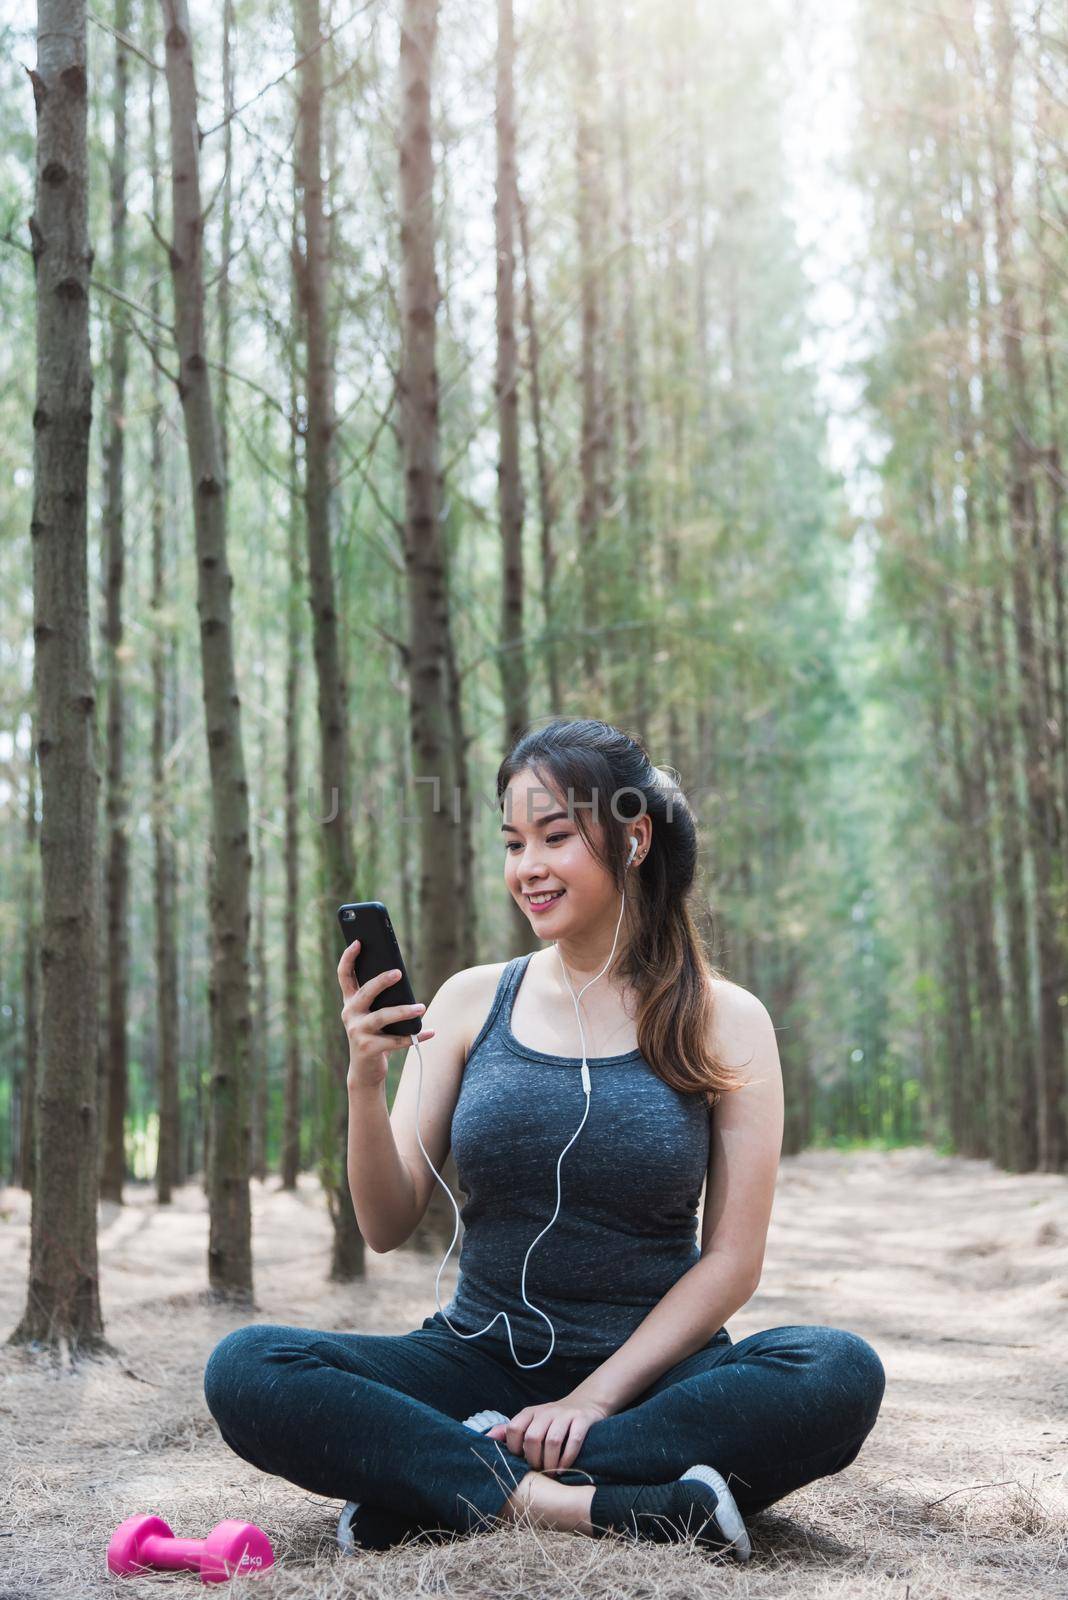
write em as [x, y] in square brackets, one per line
[957, 1274]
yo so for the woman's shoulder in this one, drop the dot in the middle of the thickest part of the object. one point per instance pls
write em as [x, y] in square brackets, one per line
[479, 985]
[729, 994]
[736, 1012]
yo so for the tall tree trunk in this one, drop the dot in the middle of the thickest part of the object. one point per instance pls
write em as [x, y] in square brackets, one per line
[31, 961]
[546, 510]
[63, 1290]
[432, 685]
[164, 870]
[229, 1247]
[587, 160]
[117, 875]
[1059, 623]
[677, 94]
[225, 243]
[465, 943]
[1052, 1114]
[260, 1029]
[974, 783]
[290, 1161]
[514, 686]
[635, 495]
[977, 786]
[424, 550]
[337, 856]
[1017, 1129]
[955, 796]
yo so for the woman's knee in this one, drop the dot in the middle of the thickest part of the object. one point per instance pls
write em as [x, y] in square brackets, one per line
[230, 1368]
[856, 1376]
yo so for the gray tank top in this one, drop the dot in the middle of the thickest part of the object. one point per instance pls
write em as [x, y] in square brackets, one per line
[629, 1186]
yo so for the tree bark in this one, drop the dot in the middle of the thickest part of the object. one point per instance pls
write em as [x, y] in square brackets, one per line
[225, 242]
[261, 978]
[587, 161]
[164, 870]
[1052, 1115]
[31, 984]
[424, 552]
[338, 866]
[635, 464]
[546, 509]
[291, 1161]
[63, 1291]
[515, 680]
[514, 684]
[229, 1248]
[432, 682]
[117, 873]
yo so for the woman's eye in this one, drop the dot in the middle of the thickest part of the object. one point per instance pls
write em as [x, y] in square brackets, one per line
[550, 839]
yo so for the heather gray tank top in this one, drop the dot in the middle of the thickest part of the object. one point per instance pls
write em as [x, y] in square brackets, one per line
[629, 1186]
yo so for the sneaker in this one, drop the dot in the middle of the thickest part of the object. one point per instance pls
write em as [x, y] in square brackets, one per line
[698, 1504]
[368, 1527]
[483, 1421]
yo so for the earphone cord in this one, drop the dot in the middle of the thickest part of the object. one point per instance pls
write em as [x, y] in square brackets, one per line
[563, 1153]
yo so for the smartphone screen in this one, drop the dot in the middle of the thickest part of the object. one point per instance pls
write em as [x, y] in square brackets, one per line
[369, 921]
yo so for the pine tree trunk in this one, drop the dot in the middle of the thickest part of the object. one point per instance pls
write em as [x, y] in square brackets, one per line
[1052, 1114]
[1017, 1122]
[515, 683]
[546, 514]
[260, 1032]
[291, 1161]
[514, 686]
[63, 1290]
[164, 871]
[588, 173]
[1058, 721]
[335, 833]
[465, 943]
[433, 775]
[974, 768]
[956, 799]
[225, 242]
[31, 963]
[635, 495]
[229, 1248]
[432, 684]
[117, 875]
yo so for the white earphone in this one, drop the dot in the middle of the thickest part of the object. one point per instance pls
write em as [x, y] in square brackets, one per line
[586, 1087]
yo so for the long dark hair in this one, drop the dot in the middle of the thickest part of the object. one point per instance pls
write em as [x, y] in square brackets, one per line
[605, 776]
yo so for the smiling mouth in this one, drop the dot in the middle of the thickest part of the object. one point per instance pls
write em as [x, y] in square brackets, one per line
[539, 905]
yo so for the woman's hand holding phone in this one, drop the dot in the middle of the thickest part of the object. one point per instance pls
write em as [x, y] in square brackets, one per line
[368, 1045]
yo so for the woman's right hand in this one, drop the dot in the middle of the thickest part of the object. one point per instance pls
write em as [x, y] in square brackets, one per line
[368, 1045]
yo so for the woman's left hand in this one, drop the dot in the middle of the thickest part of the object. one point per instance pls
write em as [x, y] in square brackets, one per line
[551, 1435]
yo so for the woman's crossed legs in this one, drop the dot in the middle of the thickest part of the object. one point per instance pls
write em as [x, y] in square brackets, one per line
[378, 1418]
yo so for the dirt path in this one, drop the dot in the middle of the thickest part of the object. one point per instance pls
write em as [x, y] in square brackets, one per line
[956, 1273]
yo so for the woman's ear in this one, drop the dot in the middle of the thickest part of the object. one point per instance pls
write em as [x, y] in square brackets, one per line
[642, 829]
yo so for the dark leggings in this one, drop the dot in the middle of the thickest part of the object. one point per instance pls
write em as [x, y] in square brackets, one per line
[378, 1418]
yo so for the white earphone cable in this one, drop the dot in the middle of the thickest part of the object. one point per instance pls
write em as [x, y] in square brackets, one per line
[586, 1111]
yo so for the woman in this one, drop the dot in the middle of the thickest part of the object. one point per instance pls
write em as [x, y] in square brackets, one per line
[582, 1375]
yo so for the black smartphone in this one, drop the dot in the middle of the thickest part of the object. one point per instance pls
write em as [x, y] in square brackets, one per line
[368, 921]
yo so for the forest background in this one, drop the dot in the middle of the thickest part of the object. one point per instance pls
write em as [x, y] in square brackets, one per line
[696, 369]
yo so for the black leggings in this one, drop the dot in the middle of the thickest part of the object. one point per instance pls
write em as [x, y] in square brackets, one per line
[378, 1418]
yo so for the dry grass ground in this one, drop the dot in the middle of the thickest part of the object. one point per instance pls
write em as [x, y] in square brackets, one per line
[956, 1273]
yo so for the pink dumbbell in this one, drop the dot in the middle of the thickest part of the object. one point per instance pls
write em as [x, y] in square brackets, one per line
[232, 1547]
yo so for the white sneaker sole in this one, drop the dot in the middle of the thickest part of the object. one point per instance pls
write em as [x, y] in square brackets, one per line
[483, 1421]
[726, 1516]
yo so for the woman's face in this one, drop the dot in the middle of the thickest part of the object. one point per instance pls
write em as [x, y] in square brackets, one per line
[545, 852]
